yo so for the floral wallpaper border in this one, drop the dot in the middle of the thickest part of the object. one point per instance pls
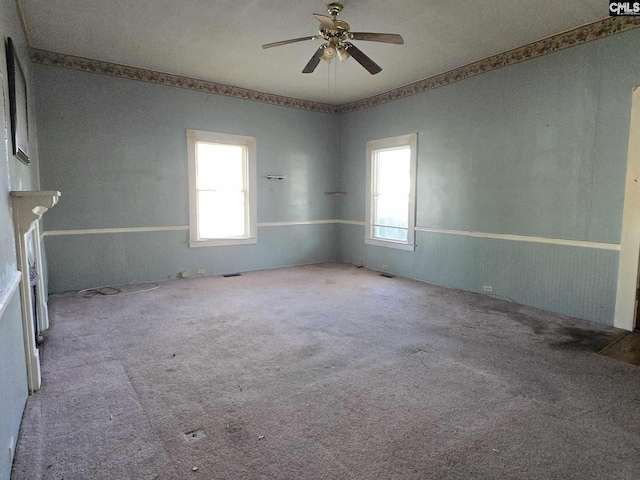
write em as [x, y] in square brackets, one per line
[45, 57]
[577, 36]
[571, 38]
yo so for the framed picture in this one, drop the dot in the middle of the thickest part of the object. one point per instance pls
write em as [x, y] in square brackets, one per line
[18, 104]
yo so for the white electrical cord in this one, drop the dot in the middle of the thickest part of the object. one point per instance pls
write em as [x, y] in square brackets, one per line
[498, 295]
[92, 292]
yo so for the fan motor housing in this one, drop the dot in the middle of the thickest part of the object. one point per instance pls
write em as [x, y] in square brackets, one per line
[334, 8]
[341, 30]
[341, 26]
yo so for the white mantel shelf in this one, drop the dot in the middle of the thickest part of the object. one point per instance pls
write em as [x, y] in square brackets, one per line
[30, 206]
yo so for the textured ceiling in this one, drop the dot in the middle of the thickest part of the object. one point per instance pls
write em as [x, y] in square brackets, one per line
[220, 40]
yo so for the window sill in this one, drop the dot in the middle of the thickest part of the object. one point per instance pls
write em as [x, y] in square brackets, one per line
[390, 244]
[221, 242]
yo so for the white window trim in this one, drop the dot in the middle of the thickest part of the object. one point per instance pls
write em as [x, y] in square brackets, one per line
[410, 140]
[194, 136]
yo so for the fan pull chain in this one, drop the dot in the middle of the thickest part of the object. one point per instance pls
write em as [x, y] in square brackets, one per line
[329, 78]
[335, 78]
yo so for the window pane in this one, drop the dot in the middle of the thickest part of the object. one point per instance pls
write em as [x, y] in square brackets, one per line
[219, 167]
[393, 170]
[221, 214]
[392, 210]
[391, 185]
[389, 233]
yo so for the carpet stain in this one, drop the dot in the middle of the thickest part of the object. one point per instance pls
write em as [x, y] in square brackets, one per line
[537, 326]
[233, 427]
[308, 351]
[194, 435]
[581, 339]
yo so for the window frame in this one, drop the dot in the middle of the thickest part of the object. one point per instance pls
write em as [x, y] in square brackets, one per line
[411, 141]
[251, 207]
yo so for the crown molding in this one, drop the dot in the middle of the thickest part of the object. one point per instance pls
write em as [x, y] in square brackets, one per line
[571, 38]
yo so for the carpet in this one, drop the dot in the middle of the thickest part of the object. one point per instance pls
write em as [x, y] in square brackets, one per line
[325, 372]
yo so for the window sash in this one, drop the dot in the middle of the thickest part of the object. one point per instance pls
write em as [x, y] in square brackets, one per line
[391, 204]
[395, 197]
[220, 215]
[391, 234]
[224, 231]
[243, 185]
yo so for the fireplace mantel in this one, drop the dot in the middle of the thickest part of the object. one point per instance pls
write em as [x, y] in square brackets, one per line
[28, 208]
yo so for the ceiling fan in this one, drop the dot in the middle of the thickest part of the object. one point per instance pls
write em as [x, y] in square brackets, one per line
[337, 34]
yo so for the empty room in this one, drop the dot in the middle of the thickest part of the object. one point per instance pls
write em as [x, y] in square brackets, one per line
[309, 240]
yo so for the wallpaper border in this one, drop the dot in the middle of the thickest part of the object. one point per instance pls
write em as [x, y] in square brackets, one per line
[577, 36]
[571, 38]
[45, 57]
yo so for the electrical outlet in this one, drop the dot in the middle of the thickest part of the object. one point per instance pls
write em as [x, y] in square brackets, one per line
[488, 289]
[385, 267]
[201, 271]
[183, 274]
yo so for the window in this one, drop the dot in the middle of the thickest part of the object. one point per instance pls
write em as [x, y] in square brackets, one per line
[391, 179]
[222, 189]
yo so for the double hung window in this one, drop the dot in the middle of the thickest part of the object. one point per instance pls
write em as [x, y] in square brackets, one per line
[222, 188]
[391, 179]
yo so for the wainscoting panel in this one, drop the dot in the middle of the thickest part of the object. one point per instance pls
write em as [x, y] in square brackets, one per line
[575, 281]
[13, 372]
[90, 260]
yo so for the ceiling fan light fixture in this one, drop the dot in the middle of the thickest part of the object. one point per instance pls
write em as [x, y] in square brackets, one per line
[329, 53]
[337, 34]
[343, 54]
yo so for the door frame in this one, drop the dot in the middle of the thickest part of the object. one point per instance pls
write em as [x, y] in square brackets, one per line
[625, 313]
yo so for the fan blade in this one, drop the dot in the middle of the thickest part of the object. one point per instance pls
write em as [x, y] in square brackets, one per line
[285, 42]
[378, 37]
[326, 22]
[315, 60]
[371, 66]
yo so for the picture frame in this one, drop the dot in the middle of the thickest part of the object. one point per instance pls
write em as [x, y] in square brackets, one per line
[18, 104]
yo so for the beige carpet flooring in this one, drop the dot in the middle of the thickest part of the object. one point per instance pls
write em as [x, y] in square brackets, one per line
[325, 372]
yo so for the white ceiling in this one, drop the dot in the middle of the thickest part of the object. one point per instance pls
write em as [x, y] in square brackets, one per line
[220, 40]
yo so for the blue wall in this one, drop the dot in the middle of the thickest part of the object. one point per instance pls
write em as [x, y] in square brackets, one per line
[82, 261]
[14, 175]
[116, 149]
[13, 379]
[574, 281]
[535, 149]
